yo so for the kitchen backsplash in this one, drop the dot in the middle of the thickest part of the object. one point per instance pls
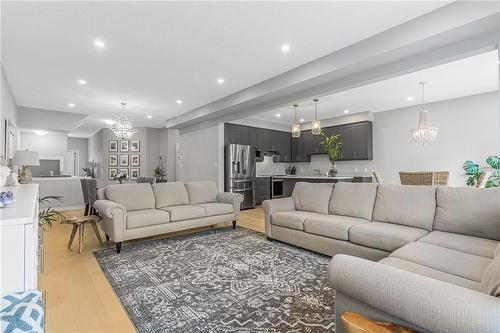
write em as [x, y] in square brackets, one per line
[317, 162]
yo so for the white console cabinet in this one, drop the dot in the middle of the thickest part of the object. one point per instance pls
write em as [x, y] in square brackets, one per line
[21, 252]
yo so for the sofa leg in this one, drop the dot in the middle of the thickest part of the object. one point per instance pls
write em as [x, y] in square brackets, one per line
[107, 238]
[234, 224]
[269, 239]
[118, 247]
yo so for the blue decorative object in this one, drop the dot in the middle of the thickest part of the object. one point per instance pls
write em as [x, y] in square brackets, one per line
[22, 312]
[6, 198]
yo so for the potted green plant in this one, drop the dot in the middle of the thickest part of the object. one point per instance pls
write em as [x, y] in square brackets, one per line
[331, 145]
[46, 216]
[474, 171]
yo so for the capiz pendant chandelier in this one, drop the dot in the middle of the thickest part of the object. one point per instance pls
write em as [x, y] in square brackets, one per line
[295, 125]
[122, 127]
[425, 132]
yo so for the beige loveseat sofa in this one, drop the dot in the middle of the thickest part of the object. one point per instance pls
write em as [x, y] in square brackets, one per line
[131, 211]
[437, 249]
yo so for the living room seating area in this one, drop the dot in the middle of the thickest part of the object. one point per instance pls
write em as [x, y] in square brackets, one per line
[131, 211]
[437, 248]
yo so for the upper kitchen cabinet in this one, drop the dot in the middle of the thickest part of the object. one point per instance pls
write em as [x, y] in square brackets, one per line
[255, 135]
[270, 140]
[284, 147]
[356, 141]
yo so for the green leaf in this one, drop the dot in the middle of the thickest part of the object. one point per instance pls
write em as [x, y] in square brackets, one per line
[494, 162]
[471, 168]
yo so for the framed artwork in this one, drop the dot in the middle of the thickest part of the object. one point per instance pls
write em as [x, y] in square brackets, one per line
[123, 160]
[113, 160]
[125, 171]
[135, 160]
[113, 146]
[112, 172]
[134, 173]
[135, 145]
[124, 146]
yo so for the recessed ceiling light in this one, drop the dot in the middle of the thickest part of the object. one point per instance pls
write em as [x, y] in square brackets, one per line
[278, 115]
[82, 82]
[150, 116]
[109, 121]
[409, 99]
[301, 120]
[220, 80]
[285, 48]
[346, 111]
[99, 44]
[71, 105]
[178, 101]
[40, 132]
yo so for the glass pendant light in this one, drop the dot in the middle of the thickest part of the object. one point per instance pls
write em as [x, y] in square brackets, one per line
[425, 132]
[295, 125]
[316, 124]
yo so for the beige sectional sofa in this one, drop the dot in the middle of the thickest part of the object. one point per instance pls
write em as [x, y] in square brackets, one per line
[437, 250]
[131, 211]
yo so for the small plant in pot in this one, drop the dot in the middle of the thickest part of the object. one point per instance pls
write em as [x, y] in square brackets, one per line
[47, 216]
[483, 176]
[331, 145]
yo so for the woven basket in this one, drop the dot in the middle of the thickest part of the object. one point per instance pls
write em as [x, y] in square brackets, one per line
[424, 178]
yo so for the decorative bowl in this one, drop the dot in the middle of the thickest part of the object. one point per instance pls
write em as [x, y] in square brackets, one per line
[6, 199]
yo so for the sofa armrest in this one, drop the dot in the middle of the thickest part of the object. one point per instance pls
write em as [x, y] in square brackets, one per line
[275, 206]
[433, 305]
[114, 218]
[234, 199]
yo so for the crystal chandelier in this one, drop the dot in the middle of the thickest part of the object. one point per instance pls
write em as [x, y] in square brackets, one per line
[316, 124]
[425, 132]
[295, 125]
[122, 127]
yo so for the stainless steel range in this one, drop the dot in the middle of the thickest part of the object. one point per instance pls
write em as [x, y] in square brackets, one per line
[240, 172]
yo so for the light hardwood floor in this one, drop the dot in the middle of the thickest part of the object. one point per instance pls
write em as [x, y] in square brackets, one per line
[78, 295]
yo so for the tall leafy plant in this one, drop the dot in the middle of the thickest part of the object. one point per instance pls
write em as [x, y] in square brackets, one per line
[49, 215]
[331, 145]
[474, 172]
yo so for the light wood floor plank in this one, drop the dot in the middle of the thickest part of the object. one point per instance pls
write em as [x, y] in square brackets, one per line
[79, 297]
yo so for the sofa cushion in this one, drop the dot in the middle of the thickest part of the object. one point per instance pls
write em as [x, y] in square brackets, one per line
[384, 236]
[312, 197]
[446, 260]
[146, 217]
[170, 194]
[132, 196]
[293, 220]
[490, 281]
[216, 208]
[409, 205]
[353, 199]
[184, 212]
[474, 245]
[332, 226]
[430, 272]
[202, 192]
[469, 211]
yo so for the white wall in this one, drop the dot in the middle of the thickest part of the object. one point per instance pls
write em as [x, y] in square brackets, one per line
[201, 153]
[82, 145]
[169, 139]
[96, 155]
[51, 145]
[152, 151]
[8, 110]
[468, 130]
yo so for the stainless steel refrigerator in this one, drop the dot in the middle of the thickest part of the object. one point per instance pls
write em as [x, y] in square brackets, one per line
[240, 172]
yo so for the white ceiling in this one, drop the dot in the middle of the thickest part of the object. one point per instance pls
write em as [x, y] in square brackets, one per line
[158, 52]
[469, 76]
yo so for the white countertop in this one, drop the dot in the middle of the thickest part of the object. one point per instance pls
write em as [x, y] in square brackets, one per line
[317, 176]
[42, 179]
[21, 212]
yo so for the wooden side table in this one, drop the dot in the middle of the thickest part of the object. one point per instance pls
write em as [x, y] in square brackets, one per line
[79, 225]
[356, 323]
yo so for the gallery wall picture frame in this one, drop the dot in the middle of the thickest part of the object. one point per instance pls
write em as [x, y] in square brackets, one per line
[135, 160]
[135, 146]
[112, 172]
[113, 146]
[126, 172]
[124, 146]
[134, 173]
[113, 160]
[124, 160]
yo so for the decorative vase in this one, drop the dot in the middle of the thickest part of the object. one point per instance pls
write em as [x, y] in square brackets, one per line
[3, 180]
[333, 170]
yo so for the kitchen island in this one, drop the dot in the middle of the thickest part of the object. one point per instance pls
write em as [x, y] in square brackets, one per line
[67, 187]
[290, 180]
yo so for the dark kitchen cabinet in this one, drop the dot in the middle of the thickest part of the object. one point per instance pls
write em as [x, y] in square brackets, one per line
[299, 150]
[269, 140]
[284, 147]
[255, 137]
[262, 188]
[362, 141]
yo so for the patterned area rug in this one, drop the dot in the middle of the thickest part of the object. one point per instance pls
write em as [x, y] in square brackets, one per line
[222, 280]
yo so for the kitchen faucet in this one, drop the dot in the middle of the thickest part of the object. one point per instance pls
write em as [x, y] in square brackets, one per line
[317, 171]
